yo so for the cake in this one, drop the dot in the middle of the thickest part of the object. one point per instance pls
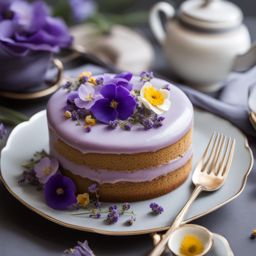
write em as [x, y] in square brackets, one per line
[135, 145]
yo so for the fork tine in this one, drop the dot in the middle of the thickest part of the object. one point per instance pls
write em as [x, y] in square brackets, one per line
[213, 152]
[218, 152]
[225, 158]
[230, 158]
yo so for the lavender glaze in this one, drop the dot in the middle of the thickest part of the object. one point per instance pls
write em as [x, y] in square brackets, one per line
[107, 176]
[178, 121]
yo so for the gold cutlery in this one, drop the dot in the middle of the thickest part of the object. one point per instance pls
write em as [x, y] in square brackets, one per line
[209, 175]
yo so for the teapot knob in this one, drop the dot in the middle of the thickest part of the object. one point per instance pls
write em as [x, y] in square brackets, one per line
[155, 21]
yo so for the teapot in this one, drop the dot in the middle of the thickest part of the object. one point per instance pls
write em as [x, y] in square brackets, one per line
[204, 41]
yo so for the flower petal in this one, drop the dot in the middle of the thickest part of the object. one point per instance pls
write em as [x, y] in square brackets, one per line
[125, 107]
[109, 91]
[125, 75]
[165, 106]
[149, 106]
[103, 112]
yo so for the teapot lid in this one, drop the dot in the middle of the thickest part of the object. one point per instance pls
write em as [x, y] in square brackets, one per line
[211, 14]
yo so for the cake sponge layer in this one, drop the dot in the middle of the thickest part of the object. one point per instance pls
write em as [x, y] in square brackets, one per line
[130, 191]
[123, 162]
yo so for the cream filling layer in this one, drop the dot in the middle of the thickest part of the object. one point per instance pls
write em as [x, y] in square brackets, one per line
[108, 176]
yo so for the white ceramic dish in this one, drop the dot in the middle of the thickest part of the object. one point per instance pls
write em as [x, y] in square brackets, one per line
[32, 136]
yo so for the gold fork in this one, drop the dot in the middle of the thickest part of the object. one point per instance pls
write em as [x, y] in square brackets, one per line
[209, 175]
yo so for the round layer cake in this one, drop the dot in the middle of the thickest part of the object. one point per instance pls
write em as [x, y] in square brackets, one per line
[130, 159]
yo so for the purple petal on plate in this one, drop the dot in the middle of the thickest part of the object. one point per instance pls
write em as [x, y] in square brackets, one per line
[59, 192]
[108, 91]
[103, 112]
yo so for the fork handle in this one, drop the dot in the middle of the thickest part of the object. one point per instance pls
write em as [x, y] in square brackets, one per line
[159, 248]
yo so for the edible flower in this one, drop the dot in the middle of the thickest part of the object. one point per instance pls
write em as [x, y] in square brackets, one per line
[157, 100]
[81, 249]
[89, 120]
[191, 246]
[28, 26]
[67, 114]
[59, 192]
[117, 103]
[146, 76]
[46, 168]
[87, 96]
[83, 199]
[156, 209]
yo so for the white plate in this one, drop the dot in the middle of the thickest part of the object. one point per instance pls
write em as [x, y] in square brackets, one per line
[32, 136]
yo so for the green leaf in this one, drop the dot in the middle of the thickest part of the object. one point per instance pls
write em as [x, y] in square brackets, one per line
[11, 117]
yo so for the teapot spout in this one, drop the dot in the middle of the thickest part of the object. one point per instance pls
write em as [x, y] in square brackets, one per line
[245, 61]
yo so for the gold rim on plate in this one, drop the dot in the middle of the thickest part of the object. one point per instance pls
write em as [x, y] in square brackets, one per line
[137, 232]
[54, 86]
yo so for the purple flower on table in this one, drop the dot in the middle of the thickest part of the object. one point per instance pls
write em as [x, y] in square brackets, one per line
[81, 249]
[28, 26]
[59, 192]
[117, 103]
[88, 96]
[46, 168]
[3, 131]
[82, 9]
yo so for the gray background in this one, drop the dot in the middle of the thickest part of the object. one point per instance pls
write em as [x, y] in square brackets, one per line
[23, 233]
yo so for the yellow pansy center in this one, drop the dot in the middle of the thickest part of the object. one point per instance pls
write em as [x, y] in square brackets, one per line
[89, 97]
[191, 246]
[83, 199]
[60, 191]
[47, 170]
[113, 104]
[153, 96]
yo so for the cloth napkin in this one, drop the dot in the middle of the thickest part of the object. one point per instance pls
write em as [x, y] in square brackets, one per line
[231, 103]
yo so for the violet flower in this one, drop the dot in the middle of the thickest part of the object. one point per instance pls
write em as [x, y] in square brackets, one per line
[122, 79]
[116, 104]
[82, 9]
[156, 209]
[46, 168]
[28, 26]
[81, 249]
[87, 96]
[93, 188]
[59, 192]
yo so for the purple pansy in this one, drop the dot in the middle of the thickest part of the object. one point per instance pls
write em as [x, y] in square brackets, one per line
[87, 96]
[82, 9]
[59, 192]
[116, 104]
[122, 79]
[81, 249]
[27, 26]
[46, 168]
[72, 96]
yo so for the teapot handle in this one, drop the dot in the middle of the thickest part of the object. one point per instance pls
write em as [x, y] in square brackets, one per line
[155, 21]
[245, 61]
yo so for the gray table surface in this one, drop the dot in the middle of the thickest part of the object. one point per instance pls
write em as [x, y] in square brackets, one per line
[23, 233]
